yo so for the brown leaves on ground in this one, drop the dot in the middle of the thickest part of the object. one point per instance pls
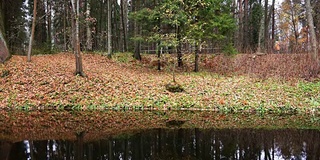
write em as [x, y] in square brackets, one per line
[287, 66]
[49, 82]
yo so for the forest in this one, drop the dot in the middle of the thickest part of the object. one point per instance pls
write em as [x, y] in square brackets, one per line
[140, 26]
[116, 48]
[160, 79]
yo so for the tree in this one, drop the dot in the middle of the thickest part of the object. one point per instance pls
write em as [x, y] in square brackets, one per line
[14, 25]
[312, 33]
[173, 22]
[4, 52]
[266, 26]
[291, 18]
[208, 19]
[32, 30]
[124, 18]
[109, 28]
[88, 20]
[137, 43]
[316, 17]
[75, 36]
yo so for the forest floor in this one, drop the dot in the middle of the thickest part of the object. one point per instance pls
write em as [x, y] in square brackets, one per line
[252, 83]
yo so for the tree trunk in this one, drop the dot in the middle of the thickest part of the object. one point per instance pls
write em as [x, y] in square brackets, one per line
[40, 35]
[49, 32]
[196, 59]
[260, 36]
[121, 28]
[295, 26]
[273, 24]
[246, 27]
[312, 33]
[109, 28]
[4, 52]
[240, 30]
[159, 47]
[89, 38]
[65, 25]
[159, 54]
[33, 28]
[137, 54]
[116, 42]
[266, 26]
[124, 14]
[179, 52]
[76, 42]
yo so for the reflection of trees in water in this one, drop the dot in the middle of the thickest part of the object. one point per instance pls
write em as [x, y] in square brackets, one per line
[184, 144]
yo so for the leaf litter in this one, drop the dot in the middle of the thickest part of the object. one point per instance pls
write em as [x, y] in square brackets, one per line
[49, 82]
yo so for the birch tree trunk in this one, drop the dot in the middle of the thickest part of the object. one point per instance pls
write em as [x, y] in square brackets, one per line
[75, 32]
[49, 30]
[89, 37]
[312, 33]
[109, 29]
[32, 30]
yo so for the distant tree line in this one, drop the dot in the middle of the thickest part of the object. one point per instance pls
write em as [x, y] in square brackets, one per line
[177, 26]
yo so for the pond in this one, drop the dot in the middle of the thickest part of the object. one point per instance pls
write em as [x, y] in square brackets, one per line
[157, 135]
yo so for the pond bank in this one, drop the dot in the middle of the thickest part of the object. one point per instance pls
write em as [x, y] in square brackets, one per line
[48, 82]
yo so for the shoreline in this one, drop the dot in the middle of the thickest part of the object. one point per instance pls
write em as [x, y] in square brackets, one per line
[49, 82]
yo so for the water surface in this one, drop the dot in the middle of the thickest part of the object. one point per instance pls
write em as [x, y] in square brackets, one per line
[96, 135]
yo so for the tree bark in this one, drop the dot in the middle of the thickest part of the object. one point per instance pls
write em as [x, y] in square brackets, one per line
[109, 28]
[266, 27]
[273, 24]
[49, 30]
[76, 42]
[179, 48]
[159, 54]
[159, 48]
[4, 52]
[260, 36]
[240, 30]
[124, 10]
[314, 42]
[295, 26]
[196, 59]
[32, 30]
[89, 37]
[137, 54]
[246, 27]
[65, 25]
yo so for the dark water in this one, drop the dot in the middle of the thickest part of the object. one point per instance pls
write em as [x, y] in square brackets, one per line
[175, 143]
